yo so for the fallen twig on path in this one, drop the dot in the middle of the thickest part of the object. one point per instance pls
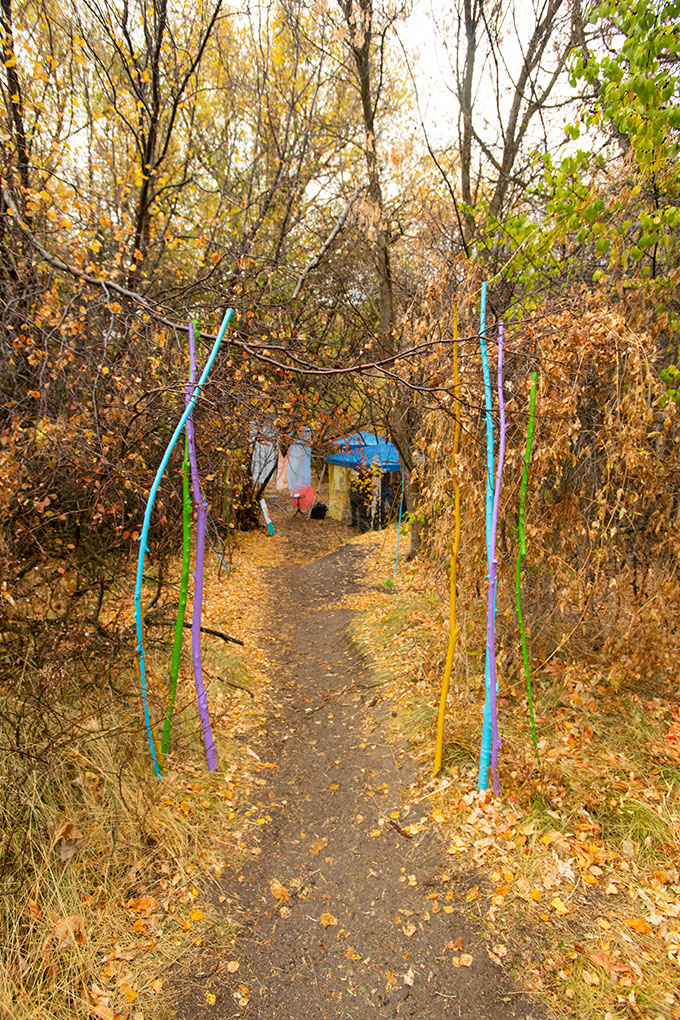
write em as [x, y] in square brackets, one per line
[400, 830]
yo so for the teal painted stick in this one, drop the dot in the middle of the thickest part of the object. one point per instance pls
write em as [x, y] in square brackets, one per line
[487, 732]
[182, 606]
[521, 553]
[141, 655]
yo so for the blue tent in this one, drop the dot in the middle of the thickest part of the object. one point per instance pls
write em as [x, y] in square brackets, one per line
[363, 449]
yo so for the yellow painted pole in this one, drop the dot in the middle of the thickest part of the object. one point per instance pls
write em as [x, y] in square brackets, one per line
[453, 629]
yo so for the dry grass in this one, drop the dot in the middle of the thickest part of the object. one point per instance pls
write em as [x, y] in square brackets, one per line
[109, 874]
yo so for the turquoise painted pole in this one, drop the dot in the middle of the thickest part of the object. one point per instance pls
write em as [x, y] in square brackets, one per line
[487, 734]
[141, 655]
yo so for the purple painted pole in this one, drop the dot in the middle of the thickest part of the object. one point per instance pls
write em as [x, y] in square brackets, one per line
[491, 637]
[197, 612]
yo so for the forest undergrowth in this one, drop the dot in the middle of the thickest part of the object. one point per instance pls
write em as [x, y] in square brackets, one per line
[109, 875]
[579, 858]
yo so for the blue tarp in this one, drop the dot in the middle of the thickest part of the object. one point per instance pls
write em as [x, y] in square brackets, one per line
[362, 449]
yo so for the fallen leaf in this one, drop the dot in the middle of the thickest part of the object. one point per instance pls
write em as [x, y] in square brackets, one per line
[638, 924]
[67, 830]
[69, 837]
[278, 890]
[409, 929]
[318, 845]
[101, 1012]
[558, 906]
[233, 966]
[242, 995]
[69, 931]
[196, 914]
[34, 909]
[608, 964]
[409, 977]
[465, 960]
[210, 998]
[142, 905]
[327, 920]
[118, 953]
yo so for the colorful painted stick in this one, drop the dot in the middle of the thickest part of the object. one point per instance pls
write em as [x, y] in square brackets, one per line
[521, 553]
[453, 629]
[491, 613]
[487, 735]
[401, 504]
[197, 608]
[183, 589]
[267, 518]
[139, 625]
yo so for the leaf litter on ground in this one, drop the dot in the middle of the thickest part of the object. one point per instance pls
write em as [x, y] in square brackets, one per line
[580, 858]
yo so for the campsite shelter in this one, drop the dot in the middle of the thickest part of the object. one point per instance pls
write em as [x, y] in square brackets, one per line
[364, 449]
[352, 453]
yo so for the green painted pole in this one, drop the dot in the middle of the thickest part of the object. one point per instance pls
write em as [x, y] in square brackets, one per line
[521, 553]
[183, 589]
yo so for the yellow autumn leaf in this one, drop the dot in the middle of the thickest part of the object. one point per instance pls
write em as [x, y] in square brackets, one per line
[210, 998]
[558, 906]
[638, 924]
[327, 920]
[278, 890]
[143, 904]
[196, 914]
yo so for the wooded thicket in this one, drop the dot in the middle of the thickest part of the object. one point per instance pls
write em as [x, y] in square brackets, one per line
[162, 161]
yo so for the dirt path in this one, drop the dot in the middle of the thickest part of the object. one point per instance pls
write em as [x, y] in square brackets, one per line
[372, 923]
